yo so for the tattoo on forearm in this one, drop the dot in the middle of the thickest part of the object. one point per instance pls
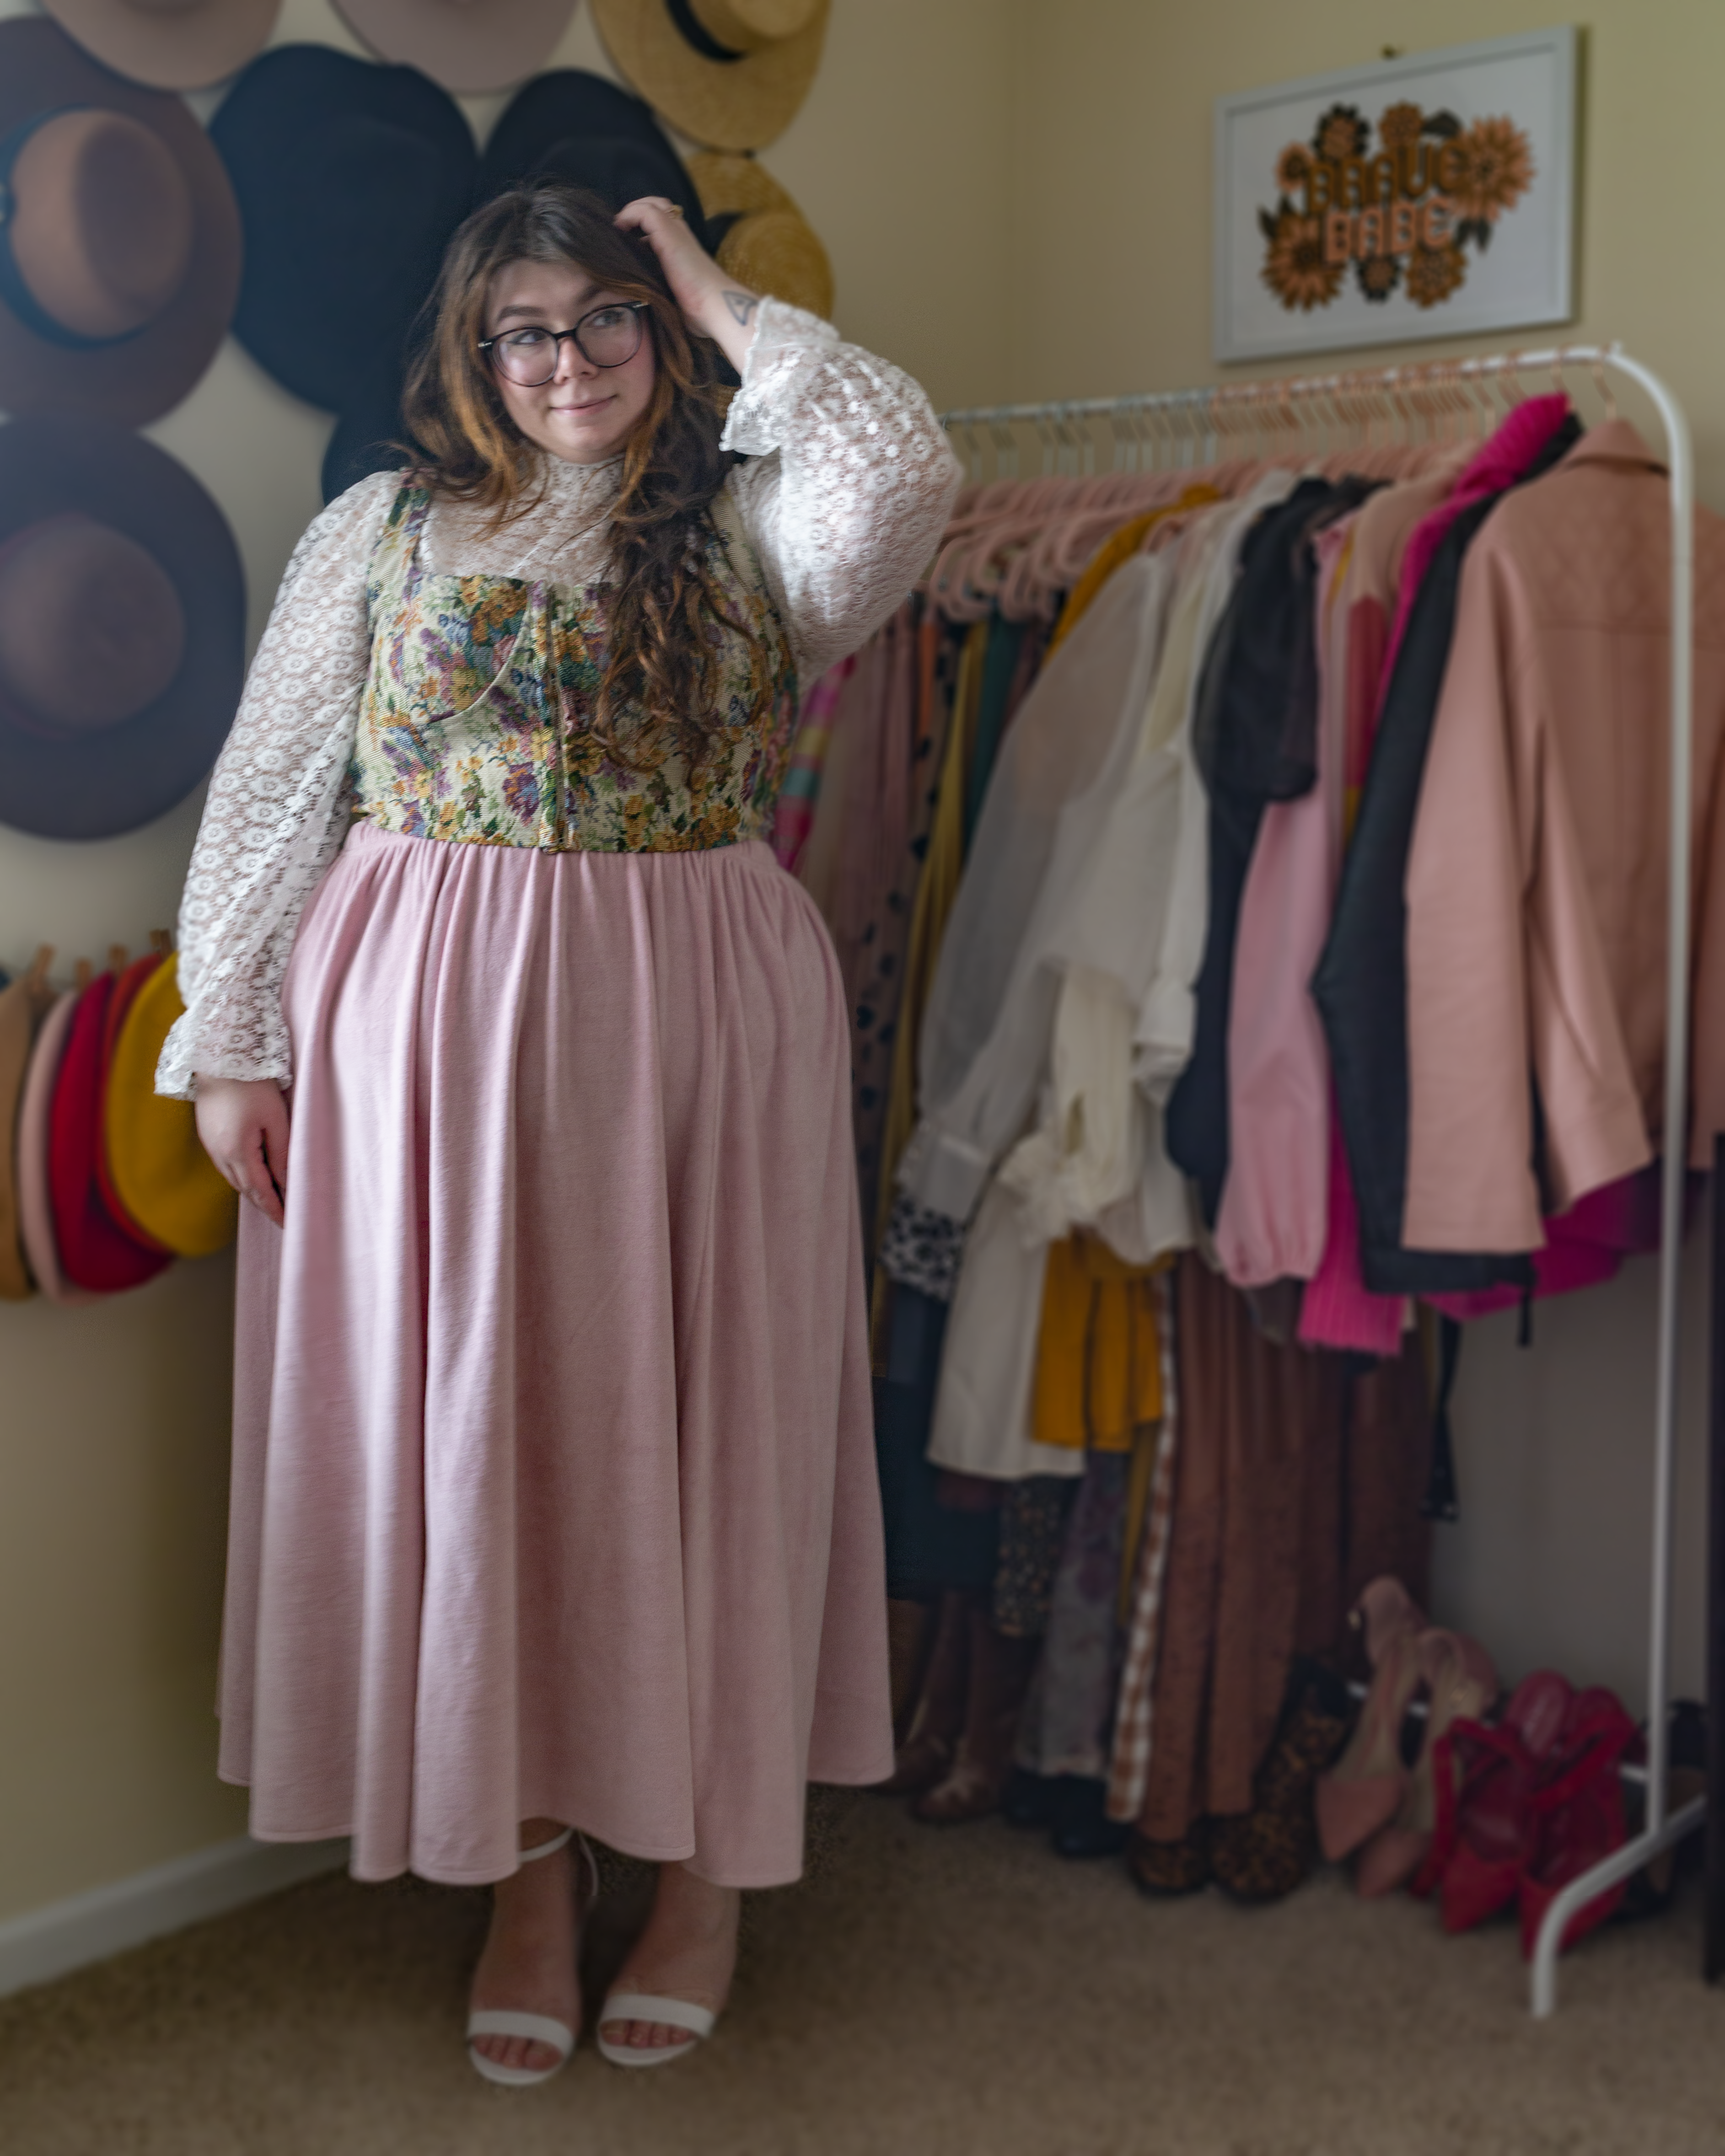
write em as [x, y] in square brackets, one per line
[742, 304]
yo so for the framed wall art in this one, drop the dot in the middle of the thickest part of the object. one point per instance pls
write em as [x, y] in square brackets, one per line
[1427, 196]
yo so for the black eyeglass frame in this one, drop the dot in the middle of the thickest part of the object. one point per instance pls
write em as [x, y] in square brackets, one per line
[636, 307]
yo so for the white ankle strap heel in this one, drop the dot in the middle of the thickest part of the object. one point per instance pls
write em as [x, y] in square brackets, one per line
[645, 2006]
[537, 2028]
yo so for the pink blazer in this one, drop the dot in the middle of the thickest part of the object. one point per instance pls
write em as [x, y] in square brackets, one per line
[1536, 882]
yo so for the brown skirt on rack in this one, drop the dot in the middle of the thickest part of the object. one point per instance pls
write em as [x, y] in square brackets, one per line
[1297, 1482]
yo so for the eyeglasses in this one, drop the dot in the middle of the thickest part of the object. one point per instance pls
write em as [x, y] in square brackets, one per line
[609, 336]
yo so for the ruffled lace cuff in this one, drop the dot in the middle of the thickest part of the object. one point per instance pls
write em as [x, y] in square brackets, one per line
[783, 336]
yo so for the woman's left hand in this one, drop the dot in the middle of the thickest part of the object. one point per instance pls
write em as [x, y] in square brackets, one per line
[713, 305]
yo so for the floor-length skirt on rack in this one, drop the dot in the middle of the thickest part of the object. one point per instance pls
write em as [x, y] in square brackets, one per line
[554, 1490]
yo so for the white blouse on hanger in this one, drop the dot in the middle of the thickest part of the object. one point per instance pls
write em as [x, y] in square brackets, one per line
[1122, 943]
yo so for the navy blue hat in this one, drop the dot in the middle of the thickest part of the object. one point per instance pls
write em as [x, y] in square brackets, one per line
[351, 178]
[370, 436]
[573, 126]
[109, 548]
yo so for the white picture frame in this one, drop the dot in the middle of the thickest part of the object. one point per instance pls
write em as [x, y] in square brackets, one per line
[1502, 258]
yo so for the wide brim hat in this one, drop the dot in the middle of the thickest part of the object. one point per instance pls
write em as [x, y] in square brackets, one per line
[570, 125]
[758, 234]
[128, 984]
[122, 630]
[186, 44]
[463, 45]
[24, 1003]
[96, 1251]
[35, 1204]
[158, 1169]
[370, 436]
[731, 75]
[120, 243]
[351, 178]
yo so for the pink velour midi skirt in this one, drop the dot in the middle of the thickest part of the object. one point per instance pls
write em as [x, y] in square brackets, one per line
[554, 1488]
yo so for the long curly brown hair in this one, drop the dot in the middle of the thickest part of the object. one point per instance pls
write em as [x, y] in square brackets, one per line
[657, 691]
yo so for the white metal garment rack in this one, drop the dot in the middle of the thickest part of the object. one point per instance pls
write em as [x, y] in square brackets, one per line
[1183, 428]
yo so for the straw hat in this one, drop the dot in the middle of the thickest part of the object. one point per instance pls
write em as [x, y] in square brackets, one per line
[158, 1171]
[96, 1251]
[35, 1206]
[351, 178]
[24, 1003]
[171, 45]
[764, 239]
[119, 237]
[730, 73]
[463, 44]
[110, 549]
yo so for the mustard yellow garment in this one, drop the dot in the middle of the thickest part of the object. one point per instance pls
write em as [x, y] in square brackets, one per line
[1098, 1350]
[1119, 547]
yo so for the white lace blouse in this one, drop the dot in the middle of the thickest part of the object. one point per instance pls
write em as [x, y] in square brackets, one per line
[848, 486]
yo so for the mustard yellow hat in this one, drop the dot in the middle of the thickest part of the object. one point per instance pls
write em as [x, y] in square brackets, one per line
[767, 241]
[163, 1175]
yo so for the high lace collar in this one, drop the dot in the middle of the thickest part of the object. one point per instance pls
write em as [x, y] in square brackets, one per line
[562, 536]
[571, 483]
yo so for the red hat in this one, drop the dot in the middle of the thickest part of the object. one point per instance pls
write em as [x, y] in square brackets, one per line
[35, 1208]
[96, 1251]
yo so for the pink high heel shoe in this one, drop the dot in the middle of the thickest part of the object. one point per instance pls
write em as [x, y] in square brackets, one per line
[1363, 1791]
[1463, 1684]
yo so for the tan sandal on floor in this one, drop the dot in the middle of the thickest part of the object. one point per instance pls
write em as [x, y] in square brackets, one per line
[535, 2028]
[669, 2013]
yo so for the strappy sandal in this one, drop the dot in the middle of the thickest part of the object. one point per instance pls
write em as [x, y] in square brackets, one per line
[537, 2028]
[669, 2013]
[1363, 1791]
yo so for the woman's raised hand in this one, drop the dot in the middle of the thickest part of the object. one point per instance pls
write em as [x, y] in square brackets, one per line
[243, 1123]
[714, 305]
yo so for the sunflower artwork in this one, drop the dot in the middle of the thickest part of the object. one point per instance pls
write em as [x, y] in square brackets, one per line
[1398, 216]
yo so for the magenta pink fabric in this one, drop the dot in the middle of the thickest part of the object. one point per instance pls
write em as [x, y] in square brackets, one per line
[1584, 1247]
[1274, 1208]
[554, 1490]
[1506, 457]
[1338, 1309]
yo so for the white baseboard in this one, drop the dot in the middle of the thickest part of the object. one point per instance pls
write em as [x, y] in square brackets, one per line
[86, 1927]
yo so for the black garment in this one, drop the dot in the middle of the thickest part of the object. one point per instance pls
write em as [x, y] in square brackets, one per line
[1254, 740]
[929, 1546]
[1361, 984]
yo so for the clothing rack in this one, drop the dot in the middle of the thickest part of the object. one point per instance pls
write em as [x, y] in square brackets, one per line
[1185, 428]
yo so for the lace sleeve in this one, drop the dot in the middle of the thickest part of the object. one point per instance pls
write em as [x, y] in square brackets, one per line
[275, 814]
[852, 485]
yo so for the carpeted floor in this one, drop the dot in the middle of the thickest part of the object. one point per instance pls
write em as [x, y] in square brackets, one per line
[930, 1992]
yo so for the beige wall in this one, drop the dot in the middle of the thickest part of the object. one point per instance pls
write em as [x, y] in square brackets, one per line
[1111, 179]
[1016, 204]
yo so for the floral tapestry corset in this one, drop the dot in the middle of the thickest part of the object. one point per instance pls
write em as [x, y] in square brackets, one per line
[476, 721]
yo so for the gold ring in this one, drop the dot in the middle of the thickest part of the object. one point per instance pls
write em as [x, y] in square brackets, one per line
[676, 209]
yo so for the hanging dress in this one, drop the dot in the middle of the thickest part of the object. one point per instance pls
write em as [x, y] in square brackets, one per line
[553, 1489]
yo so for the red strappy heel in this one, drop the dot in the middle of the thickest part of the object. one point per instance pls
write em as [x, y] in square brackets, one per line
[1577, 1816]
[1484, 1779]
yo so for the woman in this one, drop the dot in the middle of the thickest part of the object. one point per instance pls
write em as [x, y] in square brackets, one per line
[553, 1503]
